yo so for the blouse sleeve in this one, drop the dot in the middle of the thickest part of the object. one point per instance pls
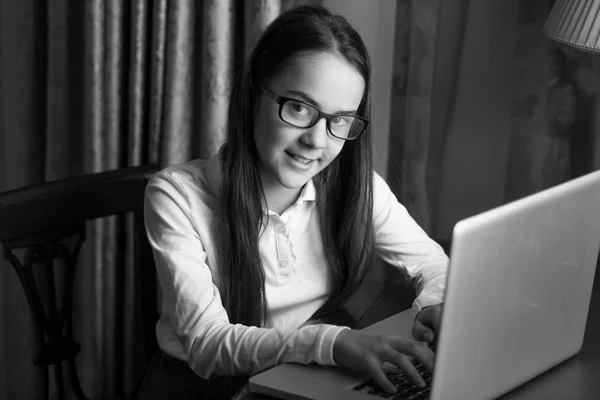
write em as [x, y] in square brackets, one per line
[401, 242]
[192, 302]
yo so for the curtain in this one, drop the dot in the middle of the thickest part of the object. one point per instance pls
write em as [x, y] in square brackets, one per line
[485, 109]
[96, 85]
[427, 60]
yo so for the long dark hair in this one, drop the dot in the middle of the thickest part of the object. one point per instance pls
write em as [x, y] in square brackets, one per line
[344, 188]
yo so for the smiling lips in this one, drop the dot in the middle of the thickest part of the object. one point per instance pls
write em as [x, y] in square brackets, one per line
[300, 159]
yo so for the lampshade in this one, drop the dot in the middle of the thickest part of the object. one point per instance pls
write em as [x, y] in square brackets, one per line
[575, 23]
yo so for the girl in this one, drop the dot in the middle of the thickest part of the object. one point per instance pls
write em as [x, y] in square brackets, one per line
[279, 228]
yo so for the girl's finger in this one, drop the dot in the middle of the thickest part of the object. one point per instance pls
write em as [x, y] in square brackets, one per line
[421, 332]
[404, 363]
[418, 350]
[379, 377]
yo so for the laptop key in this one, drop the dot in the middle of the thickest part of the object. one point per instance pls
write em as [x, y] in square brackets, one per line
[406, 389]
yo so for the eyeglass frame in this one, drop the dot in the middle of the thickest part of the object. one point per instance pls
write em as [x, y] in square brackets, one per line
[281, 100]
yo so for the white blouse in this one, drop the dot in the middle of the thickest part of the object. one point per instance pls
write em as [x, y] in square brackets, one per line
[181, 223]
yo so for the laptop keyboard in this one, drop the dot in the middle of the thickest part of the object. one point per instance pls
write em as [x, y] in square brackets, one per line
[406, 389]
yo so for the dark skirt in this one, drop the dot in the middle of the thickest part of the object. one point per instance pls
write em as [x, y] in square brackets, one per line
[170, 378]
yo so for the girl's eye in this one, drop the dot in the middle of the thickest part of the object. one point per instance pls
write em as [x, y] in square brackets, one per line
[339, 120]
[299, 108]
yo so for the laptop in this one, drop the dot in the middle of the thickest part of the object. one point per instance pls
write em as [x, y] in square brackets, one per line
[516, 303]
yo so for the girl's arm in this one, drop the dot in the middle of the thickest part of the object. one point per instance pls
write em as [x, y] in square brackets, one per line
[192, 301]
[401, 242]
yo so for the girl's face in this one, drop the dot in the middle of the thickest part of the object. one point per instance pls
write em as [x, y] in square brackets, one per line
[291, 156]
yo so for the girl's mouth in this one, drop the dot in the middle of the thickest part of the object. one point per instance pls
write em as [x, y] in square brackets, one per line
[300, 159]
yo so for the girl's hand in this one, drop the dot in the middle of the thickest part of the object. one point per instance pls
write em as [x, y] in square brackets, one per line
[427, 324]
[367, 352]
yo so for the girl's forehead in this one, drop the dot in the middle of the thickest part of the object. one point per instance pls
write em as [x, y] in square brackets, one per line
[329, 79]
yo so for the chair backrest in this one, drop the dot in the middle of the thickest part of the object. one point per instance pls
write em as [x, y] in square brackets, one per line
[37, 220]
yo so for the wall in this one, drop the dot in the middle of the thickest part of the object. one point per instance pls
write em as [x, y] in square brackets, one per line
[375, 22]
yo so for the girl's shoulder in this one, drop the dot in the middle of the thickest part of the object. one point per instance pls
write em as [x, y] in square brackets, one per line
[383, 196]
[198, 179]
[379, 184]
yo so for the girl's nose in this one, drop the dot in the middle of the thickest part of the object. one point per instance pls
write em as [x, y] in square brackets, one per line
[316, 135]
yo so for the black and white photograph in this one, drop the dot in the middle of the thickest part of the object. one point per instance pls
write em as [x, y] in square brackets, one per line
[299, 199]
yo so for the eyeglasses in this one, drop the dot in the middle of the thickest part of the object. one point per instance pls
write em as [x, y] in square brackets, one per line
[303, 115]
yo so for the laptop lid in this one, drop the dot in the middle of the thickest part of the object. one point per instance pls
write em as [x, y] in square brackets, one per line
[518, 290]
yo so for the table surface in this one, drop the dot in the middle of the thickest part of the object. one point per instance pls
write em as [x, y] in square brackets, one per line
[576, 378]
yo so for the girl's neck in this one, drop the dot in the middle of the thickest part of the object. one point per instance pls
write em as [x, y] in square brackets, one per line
[280, 198]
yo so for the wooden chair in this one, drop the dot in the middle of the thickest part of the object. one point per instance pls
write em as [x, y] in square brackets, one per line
[36, 221]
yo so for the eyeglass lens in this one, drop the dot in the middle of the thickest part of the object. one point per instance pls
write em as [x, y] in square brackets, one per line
[303, 115]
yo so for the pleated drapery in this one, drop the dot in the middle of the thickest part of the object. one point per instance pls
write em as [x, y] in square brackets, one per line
[427, 59]
[99, 85]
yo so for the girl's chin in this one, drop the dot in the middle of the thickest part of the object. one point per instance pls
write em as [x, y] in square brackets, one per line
[293, 184]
